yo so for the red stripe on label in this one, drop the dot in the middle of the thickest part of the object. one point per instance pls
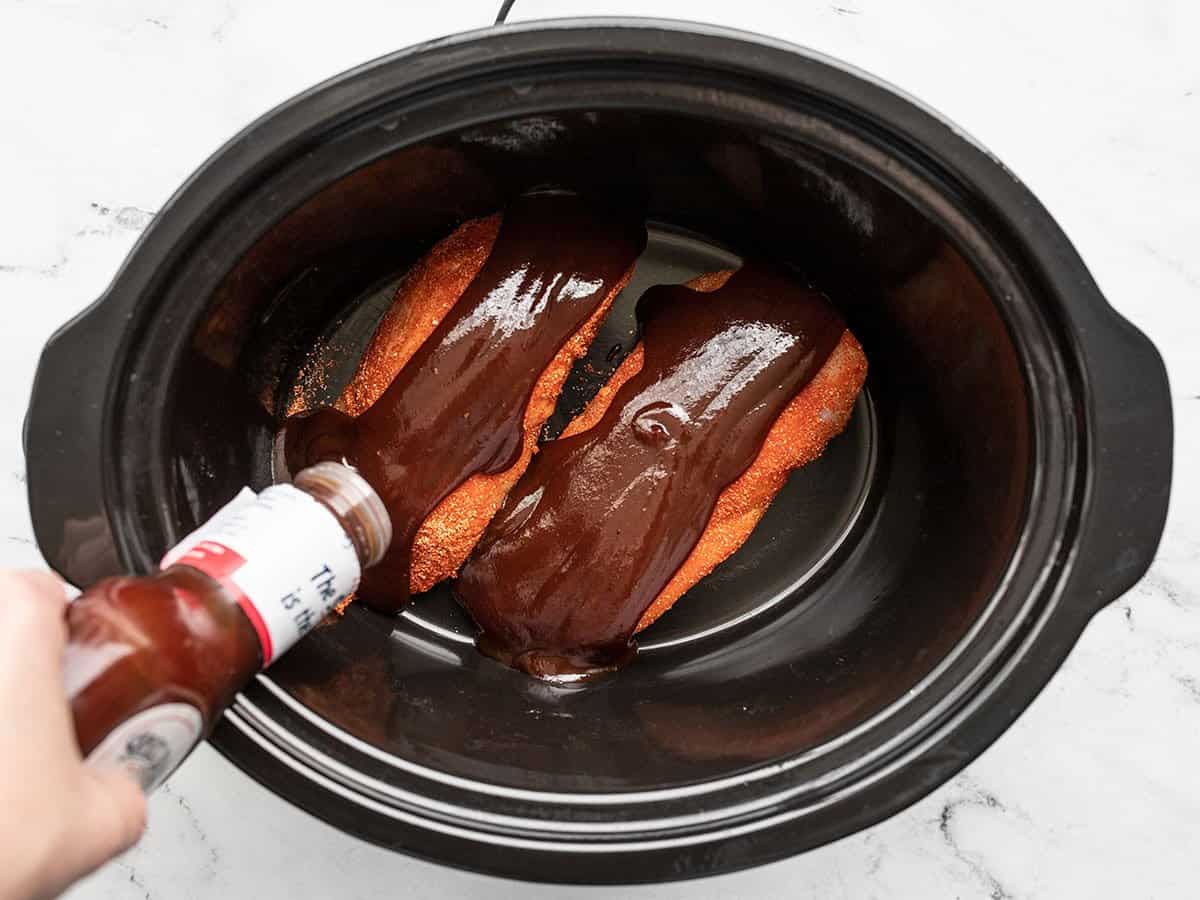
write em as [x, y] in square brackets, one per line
[220, 562]
[213, 558]
[264, 636]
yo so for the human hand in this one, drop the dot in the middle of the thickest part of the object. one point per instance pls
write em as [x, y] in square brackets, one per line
[59, 819]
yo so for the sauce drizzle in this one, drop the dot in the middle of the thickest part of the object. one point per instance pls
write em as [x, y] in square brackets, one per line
[457, 408]
[602, 520]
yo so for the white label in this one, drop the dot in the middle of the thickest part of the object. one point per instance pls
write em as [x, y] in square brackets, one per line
[282, 555]
[152, 744]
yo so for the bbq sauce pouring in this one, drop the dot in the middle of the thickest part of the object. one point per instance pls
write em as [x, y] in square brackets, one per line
[602, 520]
[457, 408]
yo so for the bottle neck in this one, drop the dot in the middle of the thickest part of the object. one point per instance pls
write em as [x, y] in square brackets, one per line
[292, 553]
[355, 505]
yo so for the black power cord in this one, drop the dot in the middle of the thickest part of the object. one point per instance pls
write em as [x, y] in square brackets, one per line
[504, 9]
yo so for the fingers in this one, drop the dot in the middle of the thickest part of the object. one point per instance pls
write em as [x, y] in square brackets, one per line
[112, 816]
[60, 818]
[37, 582]
[33, 635]
[34, 600]
[108, 814]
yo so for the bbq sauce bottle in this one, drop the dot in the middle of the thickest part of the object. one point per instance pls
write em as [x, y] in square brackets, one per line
[151, 662]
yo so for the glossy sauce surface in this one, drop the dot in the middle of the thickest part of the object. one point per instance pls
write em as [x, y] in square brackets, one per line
[602, 520]
[457, 408]
[134, 643]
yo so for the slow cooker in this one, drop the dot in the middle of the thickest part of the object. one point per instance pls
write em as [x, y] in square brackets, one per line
[1004, 477]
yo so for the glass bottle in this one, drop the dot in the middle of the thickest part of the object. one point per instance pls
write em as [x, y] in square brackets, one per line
[151, 662]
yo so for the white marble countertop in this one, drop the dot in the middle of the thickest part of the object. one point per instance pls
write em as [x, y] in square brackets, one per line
[1094, 793]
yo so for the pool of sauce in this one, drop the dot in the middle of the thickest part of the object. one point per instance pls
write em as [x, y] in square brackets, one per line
[457, 408]
[602, 520]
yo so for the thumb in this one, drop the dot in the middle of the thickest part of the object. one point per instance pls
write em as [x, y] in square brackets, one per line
[111, 817]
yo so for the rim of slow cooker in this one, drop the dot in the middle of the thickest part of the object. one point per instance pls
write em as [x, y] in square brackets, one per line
[256, 716]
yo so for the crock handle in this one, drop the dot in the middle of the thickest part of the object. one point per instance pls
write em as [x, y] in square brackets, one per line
[1131, 447]
[64, 446]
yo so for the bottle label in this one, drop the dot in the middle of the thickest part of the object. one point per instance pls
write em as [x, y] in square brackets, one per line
[151, 745]
[282, 555]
